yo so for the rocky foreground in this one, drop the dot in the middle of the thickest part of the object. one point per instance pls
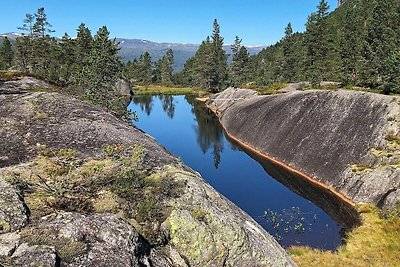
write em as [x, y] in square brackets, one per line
[344, 141]
[79, 187]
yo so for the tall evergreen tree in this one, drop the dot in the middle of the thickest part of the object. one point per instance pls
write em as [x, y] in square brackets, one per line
[166, 67]
[380, 43]
[204, 65]
[41, 26]
[145, 68]
[103, 64]
[23, 53]
[239, 66]
[83, 42]
[28, 24]
[219, 63]
[392, 77]
[316, 42]
[6, 54]
[350, 44]
[288, 67]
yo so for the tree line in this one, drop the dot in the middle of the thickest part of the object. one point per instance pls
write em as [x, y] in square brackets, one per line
[358, 44]
[88, 65]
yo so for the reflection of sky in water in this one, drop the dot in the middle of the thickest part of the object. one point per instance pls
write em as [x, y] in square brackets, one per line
[190, 132]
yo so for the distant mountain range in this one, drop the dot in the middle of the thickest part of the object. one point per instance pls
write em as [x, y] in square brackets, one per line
[131, 49]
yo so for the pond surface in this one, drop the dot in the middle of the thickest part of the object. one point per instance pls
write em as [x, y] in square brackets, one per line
[188, 130]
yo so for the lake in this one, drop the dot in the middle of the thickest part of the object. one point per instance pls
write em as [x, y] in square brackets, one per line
[187, 129]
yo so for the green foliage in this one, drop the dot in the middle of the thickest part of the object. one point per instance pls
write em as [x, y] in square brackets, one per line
[41, 26]
[208, 68]
[140, 70]
[356, 44]
[163, 73]
[239, 67]
[103, 65]
[88, 66]
[6, 54]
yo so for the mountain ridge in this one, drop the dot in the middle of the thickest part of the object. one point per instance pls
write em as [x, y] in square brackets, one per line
[131, 49]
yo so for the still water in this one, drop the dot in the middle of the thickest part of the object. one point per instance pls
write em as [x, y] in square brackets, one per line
[188, 130]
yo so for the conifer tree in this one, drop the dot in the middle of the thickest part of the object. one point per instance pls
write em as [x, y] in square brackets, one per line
[239, 64]
[103, 64]
[83, 42]
[28, 24]
[316, 43]
[41, 26]
[145, 68]
[23, 53]
[6, 54]
[380, 43]
[204, 65]
[350, 45]
[219, 60]
[288, 67]
[166, 67]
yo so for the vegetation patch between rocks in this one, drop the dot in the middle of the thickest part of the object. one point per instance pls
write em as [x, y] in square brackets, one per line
[167, 90]
[116, 182]
[375, 243]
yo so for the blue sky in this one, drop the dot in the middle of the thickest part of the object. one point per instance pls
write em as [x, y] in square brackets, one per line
[255, 21]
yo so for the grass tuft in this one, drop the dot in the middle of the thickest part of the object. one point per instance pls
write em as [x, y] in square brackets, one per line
[167, 90]
[375, 243]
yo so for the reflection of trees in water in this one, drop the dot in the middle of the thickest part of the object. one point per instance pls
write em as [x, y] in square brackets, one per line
[145, 102]
[210, 134]
[168, 104]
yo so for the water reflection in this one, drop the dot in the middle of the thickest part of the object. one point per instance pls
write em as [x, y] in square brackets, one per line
[145, 103]
[208, 130]
[186, 128]
[168, 105]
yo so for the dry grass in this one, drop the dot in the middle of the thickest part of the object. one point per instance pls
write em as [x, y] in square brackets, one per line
[266, 90]
[167, 90]
[375, 243]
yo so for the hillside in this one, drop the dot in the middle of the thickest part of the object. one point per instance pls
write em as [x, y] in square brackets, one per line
[356, 44]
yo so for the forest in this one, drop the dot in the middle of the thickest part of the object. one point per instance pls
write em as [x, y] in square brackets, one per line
[358, 45]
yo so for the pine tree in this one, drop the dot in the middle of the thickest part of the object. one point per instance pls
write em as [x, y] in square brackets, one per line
[83, 42]
[350, 42]
[239, 66]
[6, 54]
[219, 60]
[41, 26]
[145, 68]
[380, 43]
[288, 66]
[393, 73]
[204, 65]
[103, 64]
[28, 24]
[166, 67]
[316, 42]
[67, 59]
[23, 53]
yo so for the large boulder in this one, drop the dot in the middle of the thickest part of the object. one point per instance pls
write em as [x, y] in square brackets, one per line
[13, 214]
[200, 227]
[85, 240]
[345, 141]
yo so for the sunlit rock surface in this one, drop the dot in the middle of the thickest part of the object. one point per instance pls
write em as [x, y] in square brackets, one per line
[347, 140]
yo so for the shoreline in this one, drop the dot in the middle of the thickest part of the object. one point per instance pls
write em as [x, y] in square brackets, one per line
[283, 165]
